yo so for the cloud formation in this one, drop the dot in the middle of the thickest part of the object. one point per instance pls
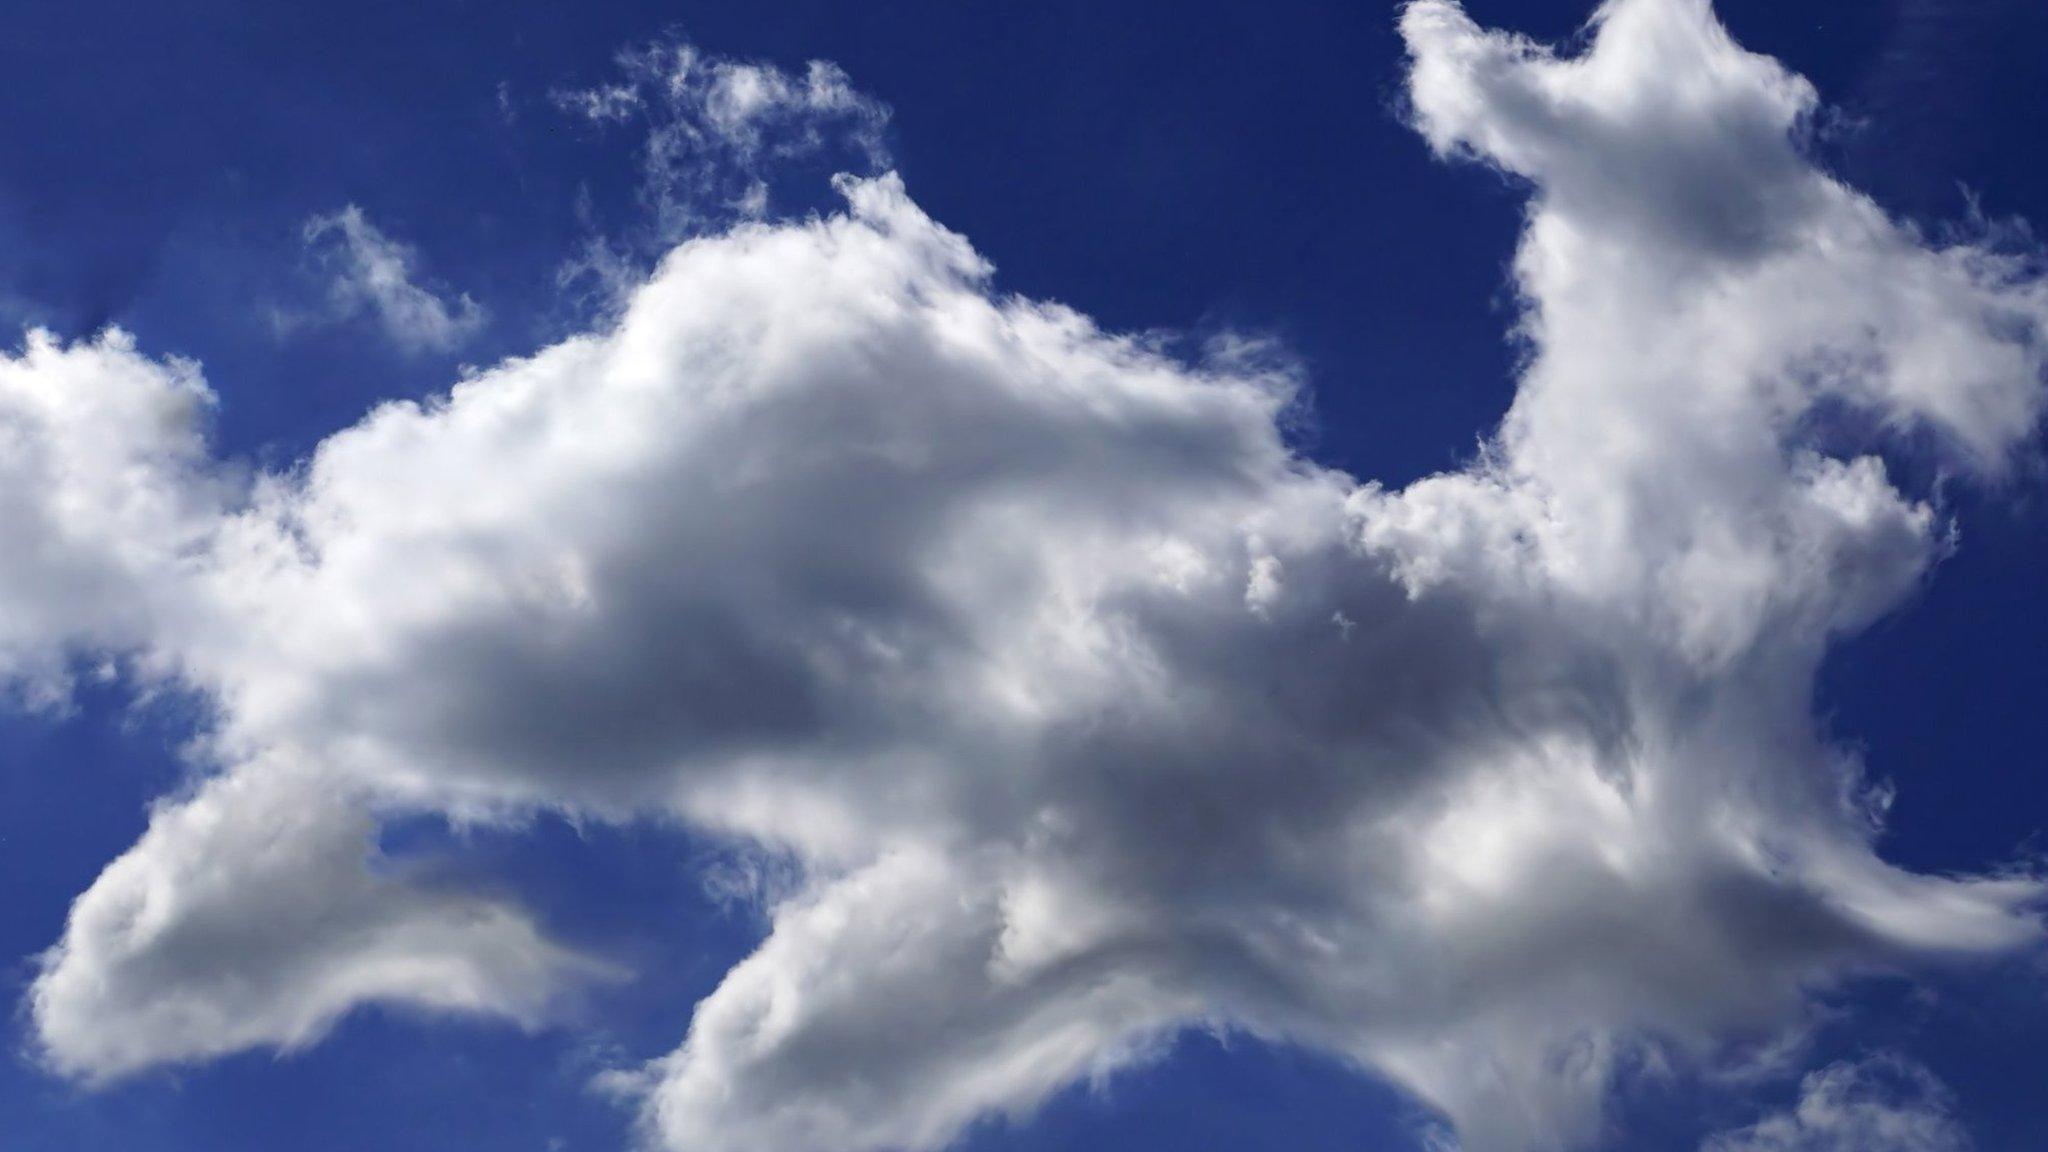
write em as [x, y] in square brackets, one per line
[246, 916]
[717, 127]
[1881, 1104]
[106, 490]
[1089, 709]
[369, 272]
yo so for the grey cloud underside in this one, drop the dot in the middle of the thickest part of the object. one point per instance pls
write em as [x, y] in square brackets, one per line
[1091, 710]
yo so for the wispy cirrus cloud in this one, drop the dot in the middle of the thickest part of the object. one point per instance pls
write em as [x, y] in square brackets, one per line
[369, 274]
[718, 135]
[1883, 1103]
[715, 126]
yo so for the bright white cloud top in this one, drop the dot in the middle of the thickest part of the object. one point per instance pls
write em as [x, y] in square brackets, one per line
[1090, 709]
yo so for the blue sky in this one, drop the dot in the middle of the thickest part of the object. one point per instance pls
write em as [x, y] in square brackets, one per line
[1202, 174]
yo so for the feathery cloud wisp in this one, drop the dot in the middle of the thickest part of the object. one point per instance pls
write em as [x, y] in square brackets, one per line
[369, 271]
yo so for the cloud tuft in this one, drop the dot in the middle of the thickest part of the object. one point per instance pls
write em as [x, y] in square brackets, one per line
[371, 272]
[1882, 1104]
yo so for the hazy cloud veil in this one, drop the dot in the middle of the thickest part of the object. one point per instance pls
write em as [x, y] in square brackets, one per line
[1091, 710]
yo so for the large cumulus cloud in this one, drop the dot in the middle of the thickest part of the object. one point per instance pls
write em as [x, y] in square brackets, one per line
[1088, 708]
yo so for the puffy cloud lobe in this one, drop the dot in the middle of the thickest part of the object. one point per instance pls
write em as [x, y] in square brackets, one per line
[1718, 301]
[1090, 710]
[105, 489]
[246, 916]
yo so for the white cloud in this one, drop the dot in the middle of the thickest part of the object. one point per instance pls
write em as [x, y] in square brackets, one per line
[248, 915]
[1882, 1104]
[719, 129]
[1087, 709]
[105, 488]
[370, 271]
